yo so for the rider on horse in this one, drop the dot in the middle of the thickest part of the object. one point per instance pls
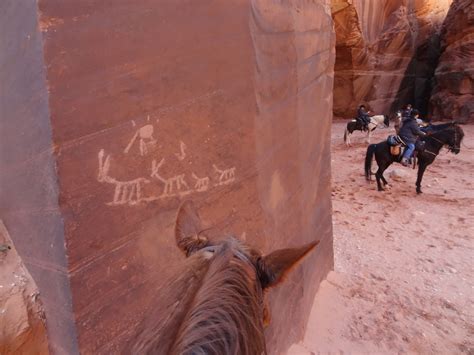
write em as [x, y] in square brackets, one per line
[407, 111]
[408, 133]
[363, 117]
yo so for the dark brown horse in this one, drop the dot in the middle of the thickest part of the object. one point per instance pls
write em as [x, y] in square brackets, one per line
[446, 134]
[214, 304]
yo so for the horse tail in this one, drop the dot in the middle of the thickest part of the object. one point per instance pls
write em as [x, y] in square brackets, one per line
[368, 160]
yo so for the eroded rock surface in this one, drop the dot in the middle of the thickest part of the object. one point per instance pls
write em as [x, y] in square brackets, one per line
[22, 326]
[453, 96]
[386, 53]
[140, 104]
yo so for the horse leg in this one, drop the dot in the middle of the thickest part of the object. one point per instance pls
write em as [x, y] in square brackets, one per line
[421, 170]
[349, 137]
[379, 176]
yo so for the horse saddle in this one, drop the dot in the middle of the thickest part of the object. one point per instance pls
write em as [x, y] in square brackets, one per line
[395, 143]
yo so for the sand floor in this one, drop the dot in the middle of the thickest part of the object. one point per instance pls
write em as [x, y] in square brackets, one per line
[404, 263]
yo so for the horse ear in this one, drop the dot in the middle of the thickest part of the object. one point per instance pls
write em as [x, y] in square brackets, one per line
[273, 268]
[187, 229]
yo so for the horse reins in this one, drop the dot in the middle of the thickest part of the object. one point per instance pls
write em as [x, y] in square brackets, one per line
[443, 143]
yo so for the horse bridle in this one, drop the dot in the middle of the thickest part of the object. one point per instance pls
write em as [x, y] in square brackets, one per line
[450, 147]
[237, 253]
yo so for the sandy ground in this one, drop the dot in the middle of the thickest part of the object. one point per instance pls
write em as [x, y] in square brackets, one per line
[22, 328]
[404, 278]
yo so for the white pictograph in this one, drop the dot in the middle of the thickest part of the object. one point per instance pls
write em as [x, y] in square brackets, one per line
[175, 185]
[182, 154]
[225, 177]
[156, 186]
[126, 192]
[202, 184]
[145, 139]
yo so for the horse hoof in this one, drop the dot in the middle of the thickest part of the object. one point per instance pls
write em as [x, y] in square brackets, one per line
[380, 189]
[418, 191]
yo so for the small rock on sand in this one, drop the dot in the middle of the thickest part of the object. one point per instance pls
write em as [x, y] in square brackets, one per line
[398, 174]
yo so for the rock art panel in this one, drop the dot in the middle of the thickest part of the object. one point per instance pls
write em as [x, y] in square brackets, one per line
[453, 95]
[386, 53]
[149, 103]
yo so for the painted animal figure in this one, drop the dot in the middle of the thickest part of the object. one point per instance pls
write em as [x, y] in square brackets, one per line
[355, 125]
[448, 134]
[214, 303]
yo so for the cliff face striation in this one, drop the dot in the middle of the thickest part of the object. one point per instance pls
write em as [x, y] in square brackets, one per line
[118, 111]
[453, 95]
[386, 53]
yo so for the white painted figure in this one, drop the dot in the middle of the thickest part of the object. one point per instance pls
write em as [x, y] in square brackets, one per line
[202, 184]
[145, 139]
[126, 192]
[224, 177]
[175, 185]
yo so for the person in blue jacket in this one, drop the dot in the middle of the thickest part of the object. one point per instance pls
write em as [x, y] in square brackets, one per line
[409, 132]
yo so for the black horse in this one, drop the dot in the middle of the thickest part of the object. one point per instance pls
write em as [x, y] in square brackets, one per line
[448, 134]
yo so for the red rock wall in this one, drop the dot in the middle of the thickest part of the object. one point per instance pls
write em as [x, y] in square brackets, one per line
[384, 53]
[148, 103]
[29, 190]
[453, 96]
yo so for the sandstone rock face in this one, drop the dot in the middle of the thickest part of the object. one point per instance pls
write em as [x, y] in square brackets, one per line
[385, 53]
[115, 113]
[22, 326]
[453, 96]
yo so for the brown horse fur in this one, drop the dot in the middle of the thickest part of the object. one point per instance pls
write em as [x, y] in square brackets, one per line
[214, 303]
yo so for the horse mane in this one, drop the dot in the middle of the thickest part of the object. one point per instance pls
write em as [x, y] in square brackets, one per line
[230, 323]
[441, 126]
[214, 307]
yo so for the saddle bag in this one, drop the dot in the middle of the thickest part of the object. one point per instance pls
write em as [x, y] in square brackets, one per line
[395, 150]
[395, 143]
[394, 140]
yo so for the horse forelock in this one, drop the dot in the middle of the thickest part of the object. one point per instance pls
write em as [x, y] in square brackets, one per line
[225, 315]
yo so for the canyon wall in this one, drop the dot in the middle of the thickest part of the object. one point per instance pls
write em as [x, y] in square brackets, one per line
[386, 53]
[113, 113]
[453, 95]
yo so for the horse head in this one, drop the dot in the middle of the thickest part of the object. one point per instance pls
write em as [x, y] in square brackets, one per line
[215, 302]
[267, 270]
[450, 134]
